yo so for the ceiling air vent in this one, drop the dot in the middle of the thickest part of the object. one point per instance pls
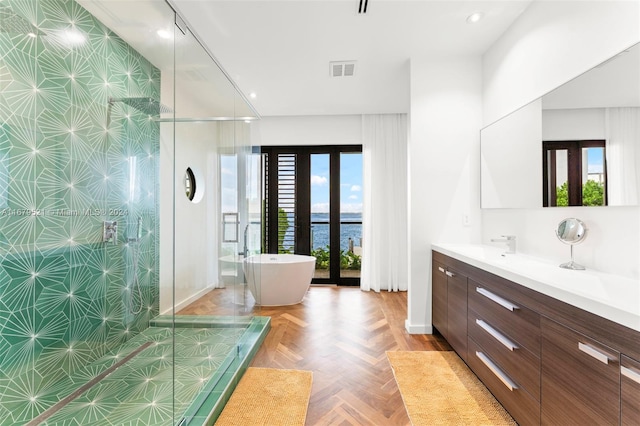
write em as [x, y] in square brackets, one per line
[342, 68]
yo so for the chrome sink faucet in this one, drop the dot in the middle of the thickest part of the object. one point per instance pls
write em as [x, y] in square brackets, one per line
[510, 240]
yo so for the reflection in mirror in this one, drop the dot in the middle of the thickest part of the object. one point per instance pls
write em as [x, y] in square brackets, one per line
[571, 231]
[510, 161]
[574, 173]
[602, 105]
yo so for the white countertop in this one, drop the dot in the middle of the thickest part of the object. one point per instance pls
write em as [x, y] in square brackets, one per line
[609, 296]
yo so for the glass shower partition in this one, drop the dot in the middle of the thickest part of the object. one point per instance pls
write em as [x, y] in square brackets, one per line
[215, 330]
[113, 120]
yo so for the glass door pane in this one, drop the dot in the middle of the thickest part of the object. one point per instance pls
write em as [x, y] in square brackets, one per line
[208, 224]
[558, 177]
[593, 177]
[253, 231]
[562, 177]
[287, 206]
[230, 267]
[350, 214]
[320, 218]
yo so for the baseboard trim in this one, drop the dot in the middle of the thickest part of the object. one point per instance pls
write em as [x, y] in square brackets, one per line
[418, 328]
[186, 302]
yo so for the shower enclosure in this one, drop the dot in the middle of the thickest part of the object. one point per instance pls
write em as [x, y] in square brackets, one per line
[115, 124]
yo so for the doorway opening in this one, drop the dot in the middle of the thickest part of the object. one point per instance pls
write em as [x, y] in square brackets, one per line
[313, 205]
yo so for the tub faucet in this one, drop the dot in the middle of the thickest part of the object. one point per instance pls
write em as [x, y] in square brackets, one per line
[510, 240]
[245, 249]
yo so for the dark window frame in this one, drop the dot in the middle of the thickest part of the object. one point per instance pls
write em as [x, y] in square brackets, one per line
[574, 169]
[302, 222]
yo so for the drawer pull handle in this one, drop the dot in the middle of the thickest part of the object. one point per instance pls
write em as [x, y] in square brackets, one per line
[629, 373]
[441, 269]
[450, 274]
[499, 300]
[497, 335]
[594, 353]
[495, 370]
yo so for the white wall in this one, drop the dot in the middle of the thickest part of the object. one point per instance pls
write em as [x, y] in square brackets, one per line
[444, 150]
[573, 124]
[310, 130]
[190, 254]
[552, 42]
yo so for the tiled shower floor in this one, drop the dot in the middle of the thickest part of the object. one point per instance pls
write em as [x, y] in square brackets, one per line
[153, 387]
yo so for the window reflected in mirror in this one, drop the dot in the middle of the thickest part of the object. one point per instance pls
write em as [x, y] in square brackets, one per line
[574, 173]
[603, 104]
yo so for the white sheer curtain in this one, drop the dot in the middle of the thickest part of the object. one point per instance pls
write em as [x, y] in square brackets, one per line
[384, 215]
[623, 155]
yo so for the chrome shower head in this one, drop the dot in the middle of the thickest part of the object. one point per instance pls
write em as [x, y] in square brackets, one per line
[12, 23]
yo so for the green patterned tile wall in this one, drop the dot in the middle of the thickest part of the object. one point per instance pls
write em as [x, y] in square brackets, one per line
[70, 160]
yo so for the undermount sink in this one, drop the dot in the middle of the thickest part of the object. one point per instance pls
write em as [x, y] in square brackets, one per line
[496, 255]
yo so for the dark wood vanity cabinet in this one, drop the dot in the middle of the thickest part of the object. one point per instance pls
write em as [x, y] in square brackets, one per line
[629, 391]
[504, 350]
[457, 312]
[439, 297]
[547, 362]
[580, 378]
[450, 306]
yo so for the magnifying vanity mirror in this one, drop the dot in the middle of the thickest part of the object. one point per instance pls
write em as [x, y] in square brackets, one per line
[578, 145]
[571, 231]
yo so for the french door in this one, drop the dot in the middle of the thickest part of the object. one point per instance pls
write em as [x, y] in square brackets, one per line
[313, 206]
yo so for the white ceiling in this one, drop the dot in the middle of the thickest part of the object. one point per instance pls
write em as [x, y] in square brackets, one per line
[281, 49]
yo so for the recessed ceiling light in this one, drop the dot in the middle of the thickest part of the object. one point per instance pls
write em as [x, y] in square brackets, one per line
[253, 95]
[474, 17]
[163, 34]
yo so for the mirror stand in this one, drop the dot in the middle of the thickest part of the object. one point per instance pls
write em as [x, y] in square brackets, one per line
[571, 231]
[571, 264]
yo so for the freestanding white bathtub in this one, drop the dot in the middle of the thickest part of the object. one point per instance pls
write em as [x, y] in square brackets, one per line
[279, 279]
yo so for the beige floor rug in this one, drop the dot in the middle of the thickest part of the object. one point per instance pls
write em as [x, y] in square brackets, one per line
[268, 397]
[439, 389]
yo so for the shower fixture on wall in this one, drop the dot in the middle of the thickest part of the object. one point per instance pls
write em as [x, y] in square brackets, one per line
[135, 288]
[145, 105]
[110, 231]
[12, 23]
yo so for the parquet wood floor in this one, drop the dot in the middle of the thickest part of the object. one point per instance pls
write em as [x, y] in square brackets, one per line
[341, 334]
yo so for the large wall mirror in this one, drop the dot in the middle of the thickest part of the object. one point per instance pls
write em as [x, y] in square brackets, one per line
[578, 145]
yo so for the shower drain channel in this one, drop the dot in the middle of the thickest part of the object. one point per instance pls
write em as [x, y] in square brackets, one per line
[58, 406]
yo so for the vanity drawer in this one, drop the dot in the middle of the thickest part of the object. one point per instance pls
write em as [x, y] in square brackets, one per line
[519, 403]
[630, 391]
[516, 361]
[580, 378]
[516, 321]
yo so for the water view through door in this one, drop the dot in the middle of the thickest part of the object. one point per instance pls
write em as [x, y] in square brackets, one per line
[313, 199]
